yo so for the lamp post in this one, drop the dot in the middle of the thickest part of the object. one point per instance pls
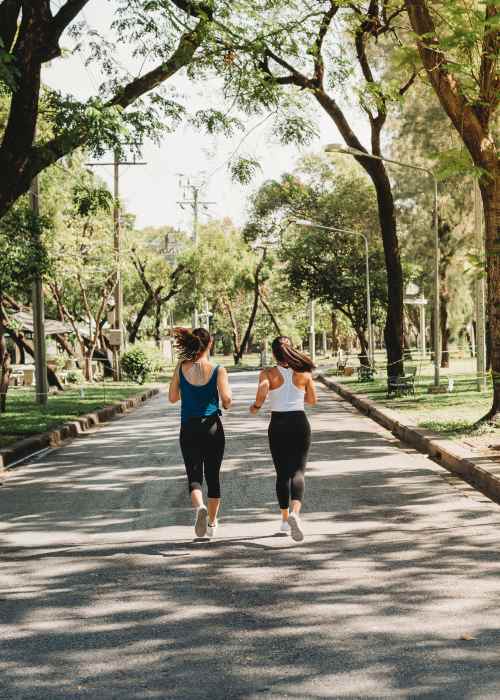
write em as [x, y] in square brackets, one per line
[339, 148]
[312, 224]
[312, 331]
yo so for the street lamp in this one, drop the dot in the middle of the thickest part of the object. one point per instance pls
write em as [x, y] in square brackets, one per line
[312, 224]
[339, 148]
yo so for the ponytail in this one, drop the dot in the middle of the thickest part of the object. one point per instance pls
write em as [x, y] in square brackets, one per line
[190, 344]
[287, 355]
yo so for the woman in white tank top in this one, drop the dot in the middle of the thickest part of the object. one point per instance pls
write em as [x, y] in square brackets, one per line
[288, 386]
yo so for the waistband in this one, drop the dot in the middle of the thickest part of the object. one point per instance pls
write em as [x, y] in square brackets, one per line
[200, 420]
[287, 413]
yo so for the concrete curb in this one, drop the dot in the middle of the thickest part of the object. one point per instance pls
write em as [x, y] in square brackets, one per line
[55, 437]
[480, 472]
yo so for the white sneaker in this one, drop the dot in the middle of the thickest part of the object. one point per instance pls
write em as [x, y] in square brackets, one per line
[200, 524]
[285, 527]
[295, 527]
[212, 528]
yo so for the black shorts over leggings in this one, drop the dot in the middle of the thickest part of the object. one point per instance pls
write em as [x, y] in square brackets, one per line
[289, 439]
[202, 445]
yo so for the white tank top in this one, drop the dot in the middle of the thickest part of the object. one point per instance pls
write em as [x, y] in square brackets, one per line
[286, 397]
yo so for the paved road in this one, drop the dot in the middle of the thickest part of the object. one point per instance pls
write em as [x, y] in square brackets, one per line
[394, 593]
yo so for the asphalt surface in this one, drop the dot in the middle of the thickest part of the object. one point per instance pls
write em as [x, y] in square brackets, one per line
[105, 593]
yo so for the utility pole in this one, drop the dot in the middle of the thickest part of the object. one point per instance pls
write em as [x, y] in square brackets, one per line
[195, 204]
[117, 245]
[480, 294]
[39, 347]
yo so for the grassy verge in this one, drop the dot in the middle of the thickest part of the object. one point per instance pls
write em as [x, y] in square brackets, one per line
[455, 413]
[24, 418]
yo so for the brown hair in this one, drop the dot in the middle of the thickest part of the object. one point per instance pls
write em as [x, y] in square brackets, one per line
[287, 355]
[190, 344]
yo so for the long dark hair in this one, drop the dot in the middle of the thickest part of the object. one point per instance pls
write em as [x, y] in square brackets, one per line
[190, 344]
[287, 355]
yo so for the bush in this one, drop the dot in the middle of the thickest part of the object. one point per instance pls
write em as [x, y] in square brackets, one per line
[136, 365]
[74, 376]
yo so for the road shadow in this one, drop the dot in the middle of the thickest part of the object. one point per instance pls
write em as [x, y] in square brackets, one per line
[392, 595]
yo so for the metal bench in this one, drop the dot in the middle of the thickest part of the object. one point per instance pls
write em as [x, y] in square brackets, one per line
[365, 373]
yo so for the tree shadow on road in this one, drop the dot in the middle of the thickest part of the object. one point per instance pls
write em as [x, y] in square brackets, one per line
[393, 594]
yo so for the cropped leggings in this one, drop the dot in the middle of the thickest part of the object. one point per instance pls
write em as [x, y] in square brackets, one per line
[202, 446]
[289, 439]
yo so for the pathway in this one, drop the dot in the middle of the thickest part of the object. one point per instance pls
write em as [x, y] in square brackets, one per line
[105, 594]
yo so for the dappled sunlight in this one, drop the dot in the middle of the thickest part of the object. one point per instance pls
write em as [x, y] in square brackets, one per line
[106, 593]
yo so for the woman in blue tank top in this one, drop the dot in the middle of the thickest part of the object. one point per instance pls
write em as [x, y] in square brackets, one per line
[200, 386]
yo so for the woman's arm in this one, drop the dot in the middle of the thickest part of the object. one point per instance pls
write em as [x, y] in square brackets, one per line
[224, 388]
[311, 397]
[174, 393]
[262, 392]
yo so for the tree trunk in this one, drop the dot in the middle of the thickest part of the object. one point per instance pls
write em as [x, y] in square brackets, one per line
[88, 356]
[335, 332]
[445, 331]
[363, 353]
[234, 330]
[393, 331]
[271, 314]
[253, 313]
[63, 343]
[490, 191]
[141, 315]
[157, 331]
[4, 370]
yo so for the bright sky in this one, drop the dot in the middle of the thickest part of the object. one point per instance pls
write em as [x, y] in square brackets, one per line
[151, 192]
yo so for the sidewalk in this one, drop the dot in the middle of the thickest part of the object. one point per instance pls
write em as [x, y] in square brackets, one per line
[105, 594]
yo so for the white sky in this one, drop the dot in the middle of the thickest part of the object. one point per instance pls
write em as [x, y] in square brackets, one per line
[151, 192]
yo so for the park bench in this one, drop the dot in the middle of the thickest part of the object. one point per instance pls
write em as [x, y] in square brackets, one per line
[402, 385]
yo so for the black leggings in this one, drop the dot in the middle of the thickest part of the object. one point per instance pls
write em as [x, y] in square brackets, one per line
[202, 446]
[289, 439]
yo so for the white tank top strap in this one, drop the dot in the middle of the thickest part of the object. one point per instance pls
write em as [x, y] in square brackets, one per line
[286, 397]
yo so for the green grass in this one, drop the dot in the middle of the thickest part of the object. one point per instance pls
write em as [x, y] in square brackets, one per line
[455, 413]
[23, 417]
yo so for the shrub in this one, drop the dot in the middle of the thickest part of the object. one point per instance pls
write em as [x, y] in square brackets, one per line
[154, 355]
[74, 376]
[136, 365]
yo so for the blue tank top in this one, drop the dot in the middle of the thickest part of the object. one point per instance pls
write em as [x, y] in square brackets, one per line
[199, 401]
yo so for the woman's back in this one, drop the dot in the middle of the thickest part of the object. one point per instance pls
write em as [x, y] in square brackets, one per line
[198, 388]
[287, 389]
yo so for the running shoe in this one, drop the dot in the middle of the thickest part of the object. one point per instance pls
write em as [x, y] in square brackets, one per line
[200, 524]
[212, 529]
[285, 527]
[295, 527]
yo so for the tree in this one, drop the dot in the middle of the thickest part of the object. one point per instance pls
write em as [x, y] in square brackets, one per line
[31, 33]
[329, 266]
[230, 276]
[23, 256]
[288, 49]
[424, 136]
[82, 275]
[158, 276]
[459, 44]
